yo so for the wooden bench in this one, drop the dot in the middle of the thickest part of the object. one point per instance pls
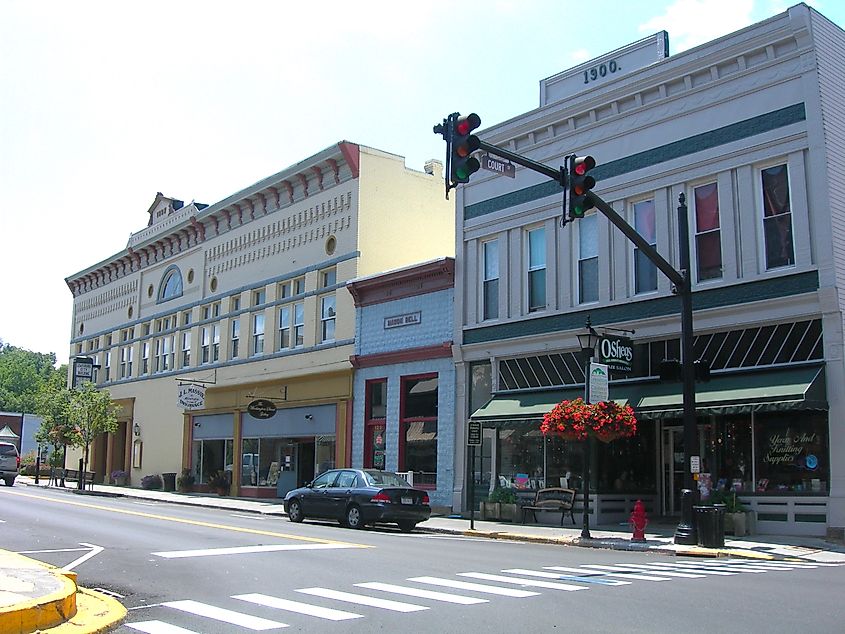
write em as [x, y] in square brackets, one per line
[73, 474]
[554, 499]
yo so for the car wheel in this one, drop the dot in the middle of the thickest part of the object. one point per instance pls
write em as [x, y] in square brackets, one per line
[353, 517]
[295, 511]
[407, 527]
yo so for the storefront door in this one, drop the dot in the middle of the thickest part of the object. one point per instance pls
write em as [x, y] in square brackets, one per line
[672, 469]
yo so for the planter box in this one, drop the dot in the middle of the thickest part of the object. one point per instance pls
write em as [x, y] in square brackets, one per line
[740, 524]
[490, 510]
[509, 512]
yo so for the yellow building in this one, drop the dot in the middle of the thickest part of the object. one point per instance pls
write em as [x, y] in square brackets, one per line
[246, 300]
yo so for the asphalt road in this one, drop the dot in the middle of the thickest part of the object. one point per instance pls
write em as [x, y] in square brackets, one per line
[210, 571]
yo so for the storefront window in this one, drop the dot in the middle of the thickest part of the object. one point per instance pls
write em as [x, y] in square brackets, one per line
[627, 464]
[792, 452]
[211, 456]
[324, 453]
[527, 460]
[418, 436]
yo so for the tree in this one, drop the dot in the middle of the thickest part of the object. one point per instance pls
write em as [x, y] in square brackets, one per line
[52, 404]
[91, 413]
[22, 373]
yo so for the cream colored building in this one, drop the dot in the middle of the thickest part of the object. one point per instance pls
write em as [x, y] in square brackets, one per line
[247, 298]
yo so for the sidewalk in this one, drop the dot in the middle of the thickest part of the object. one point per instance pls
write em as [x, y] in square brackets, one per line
[36, 596]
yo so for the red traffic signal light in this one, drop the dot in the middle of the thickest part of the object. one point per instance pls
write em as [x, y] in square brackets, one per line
[462, 164]
[580, 184]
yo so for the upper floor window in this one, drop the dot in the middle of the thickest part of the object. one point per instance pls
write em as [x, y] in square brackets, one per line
[588, 259]
[171, 284]
[235, 303]
[145, 357]
[259, 297]
[645, 272]
[205, 344]
[258, 333]
[236, 338]
[298, 325]
[299, 286]
[283, 339]
[327, 318]
[283, 290]
[536, 269]
[328, 278]
[186, 318]
[186, 349]
[490, 282]
[708, 234]
[777, 217]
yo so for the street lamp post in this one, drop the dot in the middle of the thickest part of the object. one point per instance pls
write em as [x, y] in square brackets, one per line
[588, 341]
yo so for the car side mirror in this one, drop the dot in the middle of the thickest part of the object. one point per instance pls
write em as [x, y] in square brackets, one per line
[310, 485]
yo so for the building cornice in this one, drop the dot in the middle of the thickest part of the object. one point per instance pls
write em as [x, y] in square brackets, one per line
[424, 353]
[419, 279]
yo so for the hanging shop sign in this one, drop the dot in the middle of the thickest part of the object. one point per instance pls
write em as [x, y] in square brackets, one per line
[261, 408]
[83, 370]
[191, 396]
[616, 352]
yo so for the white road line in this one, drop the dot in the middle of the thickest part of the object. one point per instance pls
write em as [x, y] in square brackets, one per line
[771, 565]
[521, 581]
[248, 517]
[396, 606]
[52, 550]
[227, 616]
[299, 608]
[630, 568]
[423, 594]
[158, 627]
[474, 587]
[559, 577]
[95, 550]
[240, 550]
[704, 570]
[624, 575]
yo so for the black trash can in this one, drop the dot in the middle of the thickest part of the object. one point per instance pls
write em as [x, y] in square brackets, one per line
[710, 522]
[169, 481]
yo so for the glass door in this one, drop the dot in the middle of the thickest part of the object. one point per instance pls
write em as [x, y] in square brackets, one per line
[672, 461]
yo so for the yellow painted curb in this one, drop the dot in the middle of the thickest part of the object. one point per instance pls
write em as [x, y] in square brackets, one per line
[96, 612]
[43, 612]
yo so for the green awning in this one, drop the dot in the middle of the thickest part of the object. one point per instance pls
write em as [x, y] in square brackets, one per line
[771, 390]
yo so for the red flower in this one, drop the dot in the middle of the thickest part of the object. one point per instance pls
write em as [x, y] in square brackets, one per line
[577, 420]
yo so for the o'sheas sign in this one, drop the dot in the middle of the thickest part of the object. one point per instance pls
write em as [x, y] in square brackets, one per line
[616, 352]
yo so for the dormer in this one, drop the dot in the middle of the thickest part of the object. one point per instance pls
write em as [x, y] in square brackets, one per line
[161, 208]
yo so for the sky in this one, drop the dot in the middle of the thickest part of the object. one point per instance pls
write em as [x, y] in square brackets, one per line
[103, 104]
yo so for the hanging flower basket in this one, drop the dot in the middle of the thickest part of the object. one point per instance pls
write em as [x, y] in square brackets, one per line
[576, 420]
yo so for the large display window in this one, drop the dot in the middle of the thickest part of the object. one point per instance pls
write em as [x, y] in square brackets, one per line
[791, 452]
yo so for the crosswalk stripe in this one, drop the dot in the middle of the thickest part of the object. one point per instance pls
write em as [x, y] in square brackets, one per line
[704, 570]
[221, 614]
[423, 594]
[624, 575]
[630, 568]
[474, 587]
[791, 564]
[296, 606]
[158, 627]
[552, 575]
[361, 599]
[521, 581]
[753, 566]
[773, 565]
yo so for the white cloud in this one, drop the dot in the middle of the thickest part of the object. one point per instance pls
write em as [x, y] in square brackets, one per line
[693, 22]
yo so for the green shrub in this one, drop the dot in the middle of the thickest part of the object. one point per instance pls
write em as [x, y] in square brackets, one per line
[503, 495]
[152, 482]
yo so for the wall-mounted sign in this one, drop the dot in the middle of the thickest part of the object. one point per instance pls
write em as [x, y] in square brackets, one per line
[499, 166]
[616, 352]
[191, 396]
[474, 433]
[83, 370]
[261, 408]
[409, 319]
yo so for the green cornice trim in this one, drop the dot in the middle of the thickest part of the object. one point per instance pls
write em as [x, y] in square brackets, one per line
[659, 307]
[676, 149]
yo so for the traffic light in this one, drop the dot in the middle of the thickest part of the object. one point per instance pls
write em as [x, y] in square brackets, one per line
[580, 183]
[462, 164]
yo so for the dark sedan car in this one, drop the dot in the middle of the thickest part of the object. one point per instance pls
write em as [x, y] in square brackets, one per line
[357, 497]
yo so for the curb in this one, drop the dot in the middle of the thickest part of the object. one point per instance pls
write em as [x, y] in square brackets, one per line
[46, 611]
[96, 612]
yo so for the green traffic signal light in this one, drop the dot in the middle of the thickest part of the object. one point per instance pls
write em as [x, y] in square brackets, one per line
[580, 184]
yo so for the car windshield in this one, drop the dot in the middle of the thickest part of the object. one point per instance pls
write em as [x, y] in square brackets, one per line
[8, 450]
[384, 479]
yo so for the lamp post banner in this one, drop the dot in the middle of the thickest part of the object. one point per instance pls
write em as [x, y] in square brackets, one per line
[191, 396]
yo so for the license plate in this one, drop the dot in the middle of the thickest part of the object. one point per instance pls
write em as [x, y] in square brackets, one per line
[407, 500]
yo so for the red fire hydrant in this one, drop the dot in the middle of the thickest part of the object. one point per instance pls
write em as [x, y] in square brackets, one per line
[638, 522]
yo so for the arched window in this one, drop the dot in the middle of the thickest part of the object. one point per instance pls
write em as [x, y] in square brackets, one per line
[171, 284]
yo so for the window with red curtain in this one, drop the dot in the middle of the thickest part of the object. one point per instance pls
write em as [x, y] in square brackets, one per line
[418, 428]
[375, 418]
[708, 235]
